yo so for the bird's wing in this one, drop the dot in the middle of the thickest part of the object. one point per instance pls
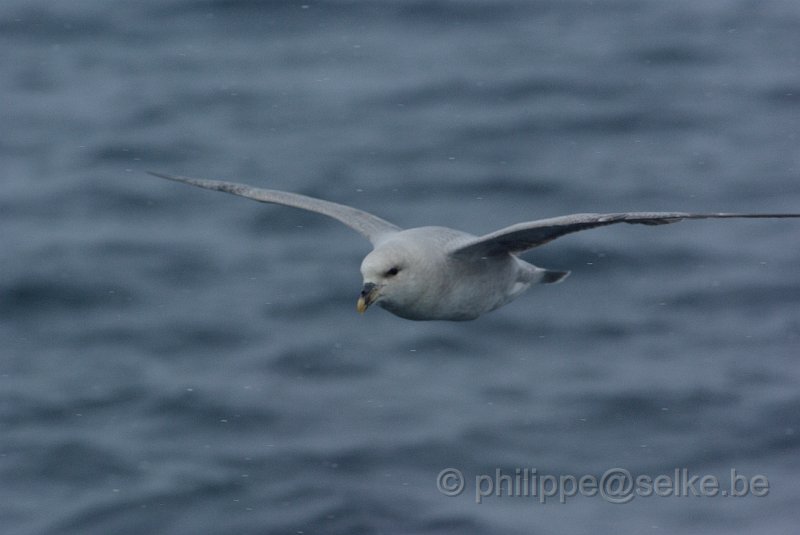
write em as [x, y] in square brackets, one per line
[370, 226]
[531, 234]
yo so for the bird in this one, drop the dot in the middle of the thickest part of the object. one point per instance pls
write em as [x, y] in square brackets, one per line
[440, 273]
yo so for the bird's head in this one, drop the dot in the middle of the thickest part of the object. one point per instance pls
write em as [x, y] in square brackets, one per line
[390, 278]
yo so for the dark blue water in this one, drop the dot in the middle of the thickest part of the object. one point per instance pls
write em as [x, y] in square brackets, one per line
[180, 361]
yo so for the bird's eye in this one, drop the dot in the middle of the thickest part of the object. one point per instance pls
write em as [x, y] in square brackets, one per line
[392, 272]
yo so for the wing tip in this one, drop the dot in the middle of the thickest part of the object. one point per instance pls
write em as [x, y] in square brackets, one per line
[166, 176]
[199, 182]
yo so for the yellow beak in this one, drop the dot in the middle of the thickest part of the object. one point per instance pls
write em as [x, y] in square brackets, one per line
[368, 295]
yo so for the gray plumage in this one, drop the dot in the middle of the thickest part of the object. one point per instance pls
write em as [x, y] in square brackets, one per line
[368, 225]
[438, 273]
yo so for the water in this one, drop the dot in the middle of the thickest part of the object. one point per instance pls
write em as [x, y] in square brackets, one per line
[180, 361]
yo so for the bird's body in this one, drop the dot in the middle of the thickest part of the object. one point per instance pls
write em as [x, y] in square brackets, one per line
[430, 291]
[439, 273]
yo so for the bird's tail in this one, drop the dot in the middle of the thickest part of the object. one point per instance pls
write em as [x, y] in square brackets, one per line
[550, 276]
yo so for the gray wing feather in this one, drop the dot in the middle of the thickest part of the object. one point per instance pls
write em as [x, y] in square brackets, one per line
[531, 234]
[370, 226]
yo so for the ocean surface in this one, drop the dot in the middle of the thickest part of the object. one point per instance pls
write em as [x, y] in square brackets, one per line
[181, 361]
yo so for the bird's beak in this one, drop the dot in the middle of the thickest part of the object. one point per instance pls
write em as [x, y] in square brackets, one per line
[368, 295]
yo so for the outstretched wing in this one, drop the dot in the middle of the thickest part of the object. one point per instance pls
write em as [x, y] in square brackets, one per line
[531, 234]
[370, 226]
